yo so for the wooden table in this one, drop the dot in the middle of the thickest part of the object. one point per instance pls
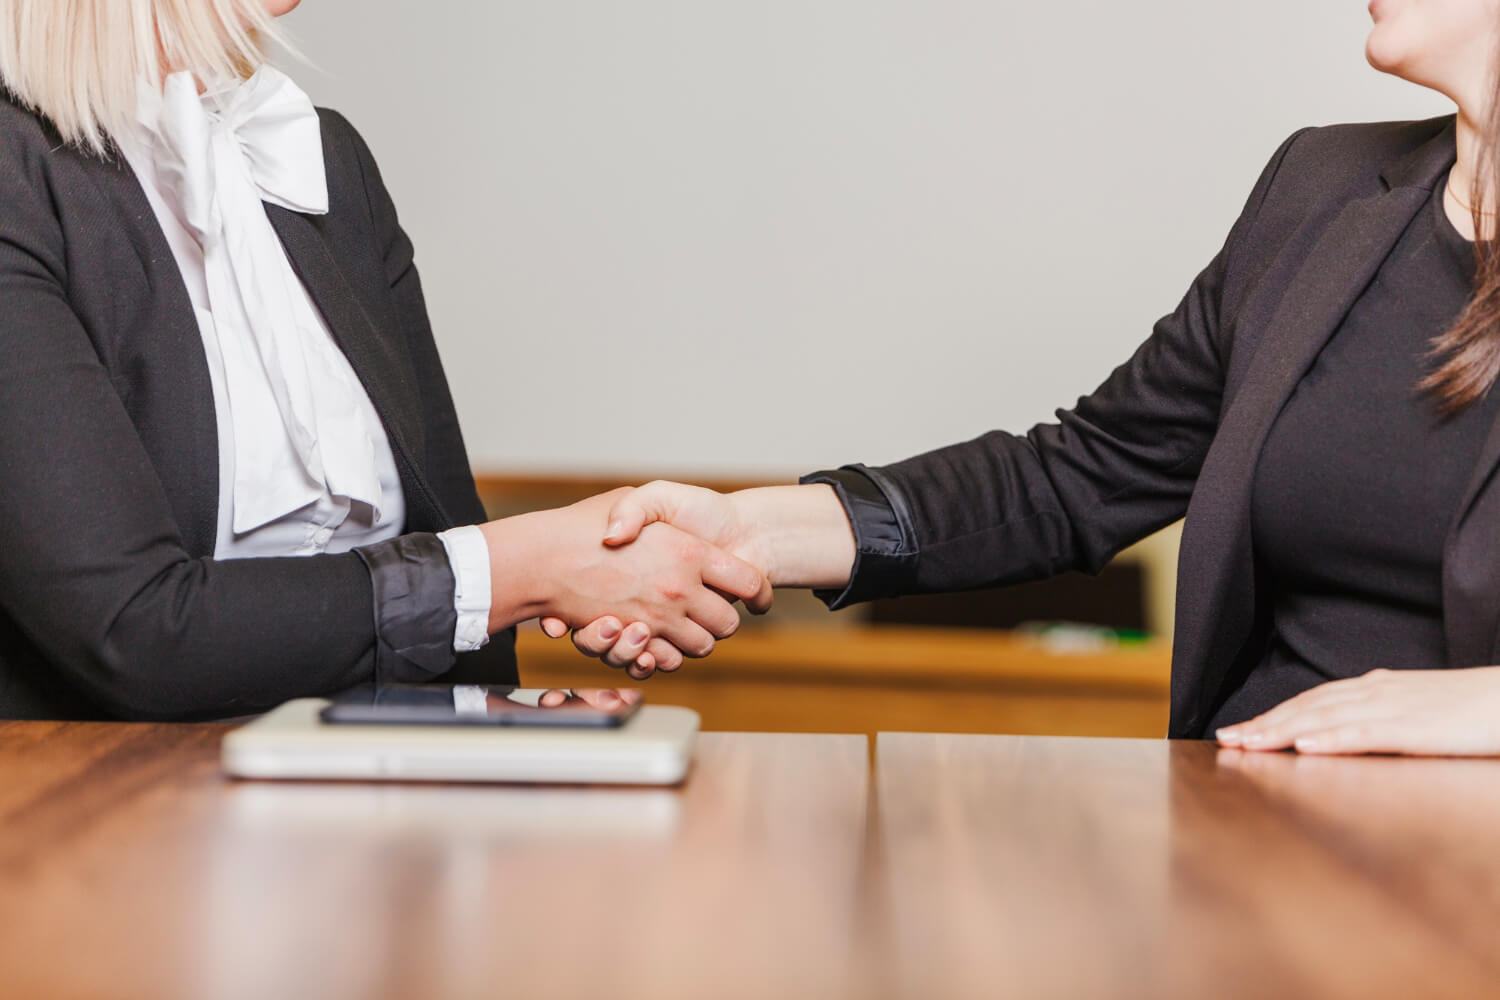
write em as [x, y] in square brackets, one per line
[1028, 867]
[961, 866]
[129, 868]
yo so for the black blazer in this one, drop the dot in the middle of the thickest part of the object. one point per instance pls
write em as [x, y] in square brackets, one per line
[1177, 430]
[110, 602]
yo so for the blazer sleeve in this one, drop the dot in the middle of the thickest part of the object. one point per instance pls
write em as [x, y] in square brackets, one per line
[1006, 508]
[93, 568]
[447, 460]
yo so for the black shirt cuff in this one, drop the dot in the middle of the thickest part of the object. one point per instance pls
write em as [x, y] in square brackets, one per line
[885, 558]
[414, 613]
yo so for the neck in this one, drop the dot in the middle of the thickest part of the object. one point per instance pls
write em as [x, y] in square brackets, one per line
[1466, 166]
[1460, 193]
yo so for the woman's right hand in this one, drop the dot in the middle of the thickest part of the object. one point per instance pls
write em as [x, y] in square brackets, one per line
[678, 586]
[625, 642]
[797, 535]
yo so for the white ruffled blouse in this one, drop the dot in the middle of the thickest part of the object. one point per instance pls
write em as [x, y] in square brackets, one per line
[304, 463]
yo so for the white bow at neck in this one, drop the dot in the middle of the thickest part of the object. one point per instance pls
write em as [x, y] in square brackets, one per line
[222, 154]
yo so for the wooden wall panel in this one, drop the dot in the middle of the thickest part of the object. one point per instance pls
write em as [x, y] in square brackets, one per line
[863, 680]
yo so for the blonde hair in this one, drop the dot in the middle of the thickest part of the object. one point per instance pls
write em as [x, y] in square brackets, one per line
[81, 62]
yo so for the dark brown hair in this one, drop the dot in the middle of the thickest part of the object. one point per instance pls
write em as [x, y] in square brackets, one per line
[1469, 351]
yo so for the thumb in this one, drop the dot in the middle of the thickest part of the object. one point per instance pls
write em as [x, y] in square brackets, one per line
[633, 511]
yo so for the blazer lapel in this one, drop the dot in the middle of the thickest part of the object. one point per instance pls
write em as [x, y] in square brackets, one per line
[1216, 609]
[373, 353]
[178, 425]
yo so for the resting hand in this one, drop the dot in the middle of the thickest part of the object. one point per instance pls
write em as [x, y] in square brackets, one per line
[1419, 712]
[711, 516]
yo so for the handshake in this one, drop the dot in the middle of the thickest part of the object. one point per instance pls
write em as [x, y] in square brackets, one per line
[648, 576]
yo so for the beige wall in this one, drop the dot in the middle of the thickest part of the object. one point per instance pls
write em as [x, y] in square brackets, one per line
[702, 235]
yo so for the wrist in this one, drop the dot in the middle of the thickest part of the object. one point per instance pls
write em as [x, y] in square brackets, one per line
[754, 533]
[519, 580]
[799, 536]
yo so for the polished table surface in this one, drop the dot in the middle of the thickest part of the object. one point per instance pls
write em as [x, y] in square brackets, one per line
[786, 866]
[1033, 867]
[130, 868]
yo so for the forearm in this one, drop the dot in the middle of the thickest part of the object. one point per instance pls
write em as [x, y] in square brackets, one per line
[203, 638]
[800, 535]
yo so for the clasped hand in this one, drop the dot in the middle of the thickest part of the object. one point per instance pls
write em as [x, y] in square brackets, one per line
[639, 643]
[644, 583]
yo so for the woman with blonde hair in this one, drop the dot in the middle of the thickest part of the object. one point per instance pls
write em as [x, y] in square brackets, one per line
[234, 474]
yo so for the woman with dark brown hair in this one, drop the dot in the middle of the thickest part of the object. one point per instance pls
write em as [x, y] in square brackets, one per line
[1319, 408]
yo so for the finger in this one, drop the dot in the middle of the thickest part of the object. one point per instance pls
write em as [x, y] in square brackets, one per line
[760, 602]
[1295, 711]
[553, 698]
[692, 639]
[598, 637]
[631, 644]
[724, 572]
[667, 657]
[1322, 696]
[1313, 719]
[647, 660]
[555, 628]
[635, 510]
[1366, 736]
[717, 616]
[1290, 709]
[639, 672]
[757, 605]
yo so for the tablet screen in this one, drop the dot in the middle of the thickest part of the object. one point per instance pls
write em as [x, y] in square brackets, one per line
[482, 705]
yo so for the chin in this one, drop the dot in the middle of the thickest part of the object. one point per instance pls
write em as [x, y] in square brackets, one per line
[1383, 55]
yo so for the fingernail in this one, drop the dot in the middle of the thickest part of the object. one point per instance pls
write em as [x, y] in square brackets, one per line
[1306, 744]
[609, 699]
[608, 632]
[638, 633]
[615, 527]
[1227, 735]
[1256, 739]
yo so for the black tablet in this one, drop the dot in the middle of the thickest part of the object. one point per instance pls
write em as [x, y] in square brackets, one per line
[481, 705]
